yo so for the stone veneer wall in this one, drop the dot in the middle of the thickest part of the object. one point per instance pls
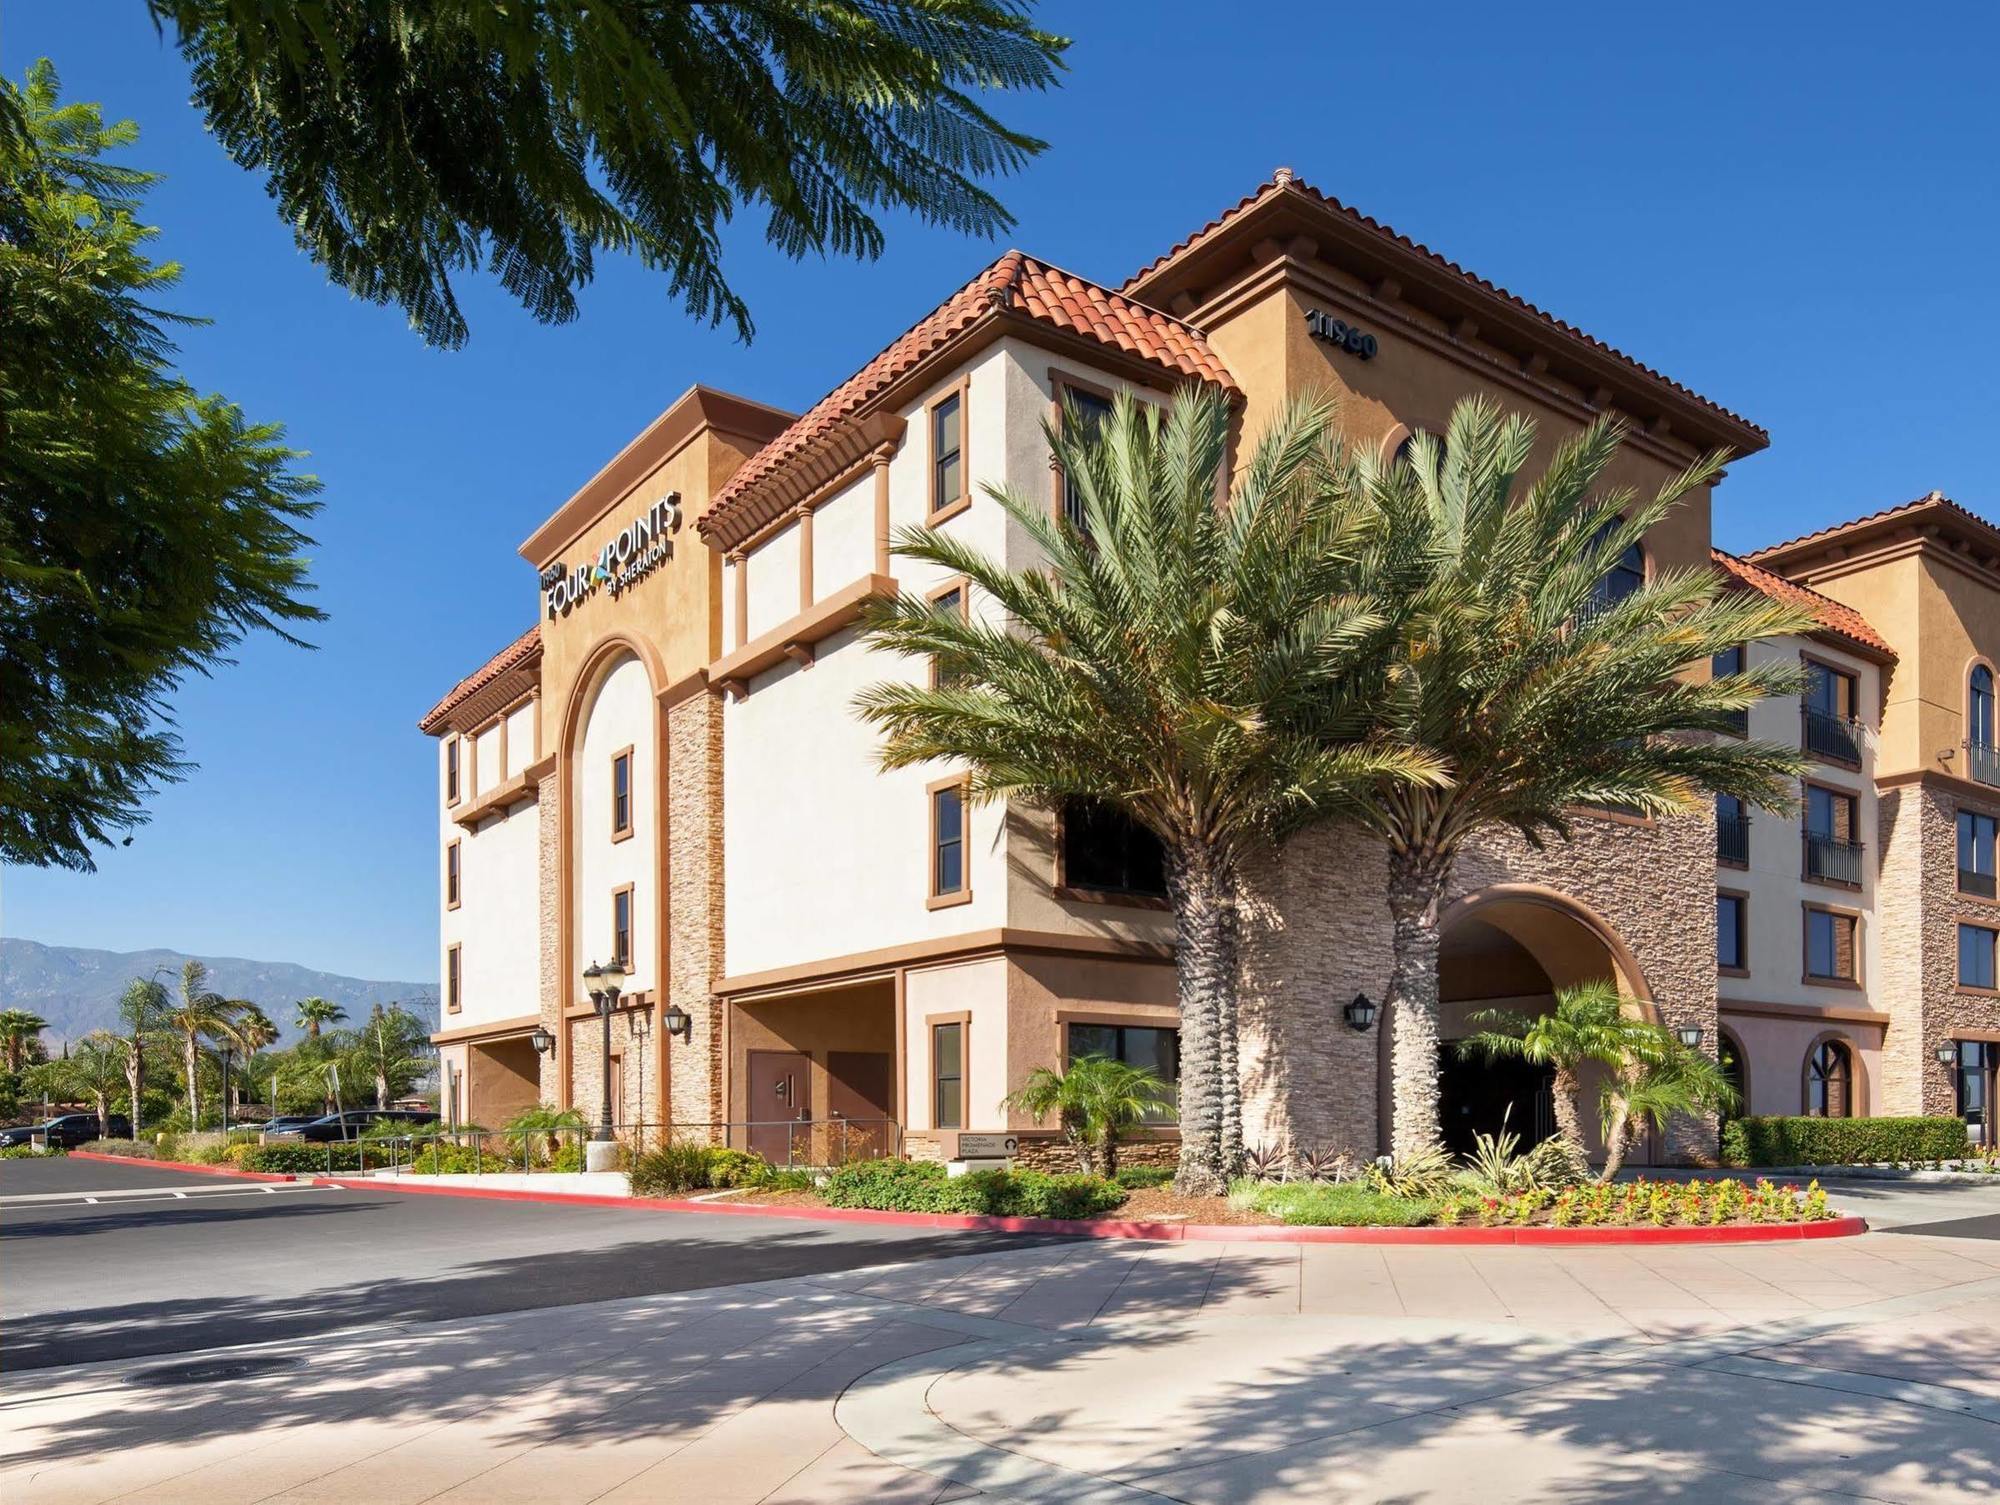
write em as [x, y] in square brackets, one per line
[1316, 931]
[694, 903]
[1918, 909]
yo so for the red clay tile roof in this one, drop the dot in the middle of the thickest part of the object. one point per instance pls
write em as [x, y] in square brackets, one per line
[1286, 183]
[515, 653]
[1935, 499]
[1841, 621]
[1015, 283]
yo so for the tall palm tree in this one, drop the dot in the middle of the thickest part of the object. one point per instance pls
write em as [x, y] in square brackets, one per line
[315, 1014]
[1201, 663]
[1538, 690]
[199, 1014]
[19, 1029]
[143, 1008]
[97, 1066]
[1588, 1023]
[256, 1030]
[393, 1049]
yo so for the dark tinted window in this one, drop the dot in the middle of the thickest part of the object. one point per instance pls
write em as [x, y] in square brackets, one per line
[1106, 850]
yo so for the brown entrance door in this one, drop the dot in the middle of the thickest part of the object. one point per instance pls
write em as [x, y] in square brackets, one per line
[780, 1097]
[857, 1105]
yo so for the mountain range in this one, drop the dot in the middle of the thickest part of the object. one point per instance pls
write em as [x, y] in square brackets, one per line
[76, 989]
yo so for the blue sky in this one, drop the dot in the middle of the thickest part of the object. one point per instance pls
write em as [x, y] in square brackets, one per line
[1796, 219]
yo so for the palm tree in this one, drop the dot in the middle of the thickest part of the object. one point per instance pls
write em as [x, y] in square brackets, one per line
[197, 1015]
[97, 1066]
[142, 1007]
[19, 1029]
[1538, 690]
[1094, 1102]
[1203, 666]
[256, 1030]
[316, 1013]
[1588, 1023]
[393, 1048]
[1662, 1080]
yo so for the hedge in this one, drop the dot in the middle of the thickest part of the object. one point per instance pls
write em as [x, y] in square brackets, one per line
[1840, 1141]
[299, 1158]
[924, 1186]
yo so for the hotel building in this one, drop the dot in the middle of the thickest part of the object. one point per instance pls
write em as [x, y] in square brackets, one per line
[666, 767]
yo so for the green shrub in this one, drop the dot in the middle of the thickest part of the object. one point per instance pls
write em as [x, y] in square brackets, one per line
[446, 1159]
[1139, 1177]
[132, 1149]
[671, 1170]
[1320, 1204]
[924, 1186]
[792, 1178]
[296, 1159]
[1840, 1141]
[29, 1152]
[737, 1168]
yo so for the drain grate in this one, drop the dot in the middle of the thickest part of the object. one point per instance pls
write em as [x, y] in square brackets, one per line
[202, 1373]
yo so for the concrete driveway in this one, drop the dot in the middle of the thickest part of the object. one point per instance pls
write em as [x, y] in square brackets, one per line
[1856, 1368]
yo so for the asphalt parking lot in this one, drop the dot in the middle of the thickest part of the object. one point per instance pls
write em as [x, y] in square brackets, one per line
[115, 1261]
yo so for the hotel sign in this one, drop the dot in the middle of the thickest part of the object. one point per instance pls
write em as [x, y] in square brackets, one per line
[1340, 334]
[641, 547]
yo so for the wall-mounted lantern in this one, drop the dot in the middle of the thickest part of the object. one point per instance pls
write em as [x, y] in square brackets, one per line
[1689, 1035]
[1947, 1053]
[680, 1023]
[1359, 1012]
[543, 1041]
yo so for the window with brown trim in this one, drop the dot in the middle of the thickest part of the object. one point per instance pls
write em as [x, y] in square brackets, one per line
[1976, 957]
[621, 926]
[1731, 661]
[1976, 844]
[948, 1076]
[451, 770]
[951, 598]
[1833, 820]
[1830, 727]
[948, 492]
[451, 876]
[1105, 851]
[951, 882]
[621, 794]
[1832, 954]
[453, 972]
[1732, 931]
[1829, 1081]
[1091, 410]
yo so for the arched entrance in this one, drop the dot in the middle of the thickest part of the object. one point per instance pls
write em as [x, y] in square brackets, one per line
[1510, 947]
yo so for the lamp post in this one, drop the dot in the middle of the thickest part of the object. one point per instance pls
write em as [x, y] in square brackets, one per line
[602, 982]
[226, 1052]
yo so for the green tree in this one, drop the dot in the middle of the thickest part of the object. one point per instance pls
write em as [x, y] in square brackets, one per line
[314, 1014]
[145, 529]
[200, 1014]
[142, 1008]
[257, 1032]
[1206, 669]
[407, 140]
[392, 1048]
[1588, 1023]
[1539, 690]
[1095, 1103]
[1661, 1080]
[97, 1066]
[20, 1030]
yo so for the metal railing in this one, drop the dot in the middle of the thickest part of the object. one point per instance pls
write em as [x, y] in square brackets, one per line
[1982, 760]
[1833, 860]
[1827, 736]
[1732, 839]
[789, 1144]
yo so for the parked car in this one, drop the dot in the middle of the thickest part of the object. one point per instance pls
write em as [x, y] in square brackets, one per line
[352, 1124]
[282, 1126]
[66, 1131]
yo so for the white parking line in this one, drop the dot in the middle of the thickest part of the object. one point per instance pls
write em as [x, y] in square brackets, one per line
[154, 1193]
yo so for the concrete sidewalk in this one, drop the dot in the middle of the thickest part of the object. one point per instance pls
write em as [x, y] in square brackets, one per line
[1105, 1371]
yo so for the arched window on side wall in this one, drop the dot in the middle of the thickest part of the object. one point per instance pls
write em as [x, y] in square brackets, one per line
[1626, 575]
[1979, 708]
[1830, 1081]
[1729, 1057]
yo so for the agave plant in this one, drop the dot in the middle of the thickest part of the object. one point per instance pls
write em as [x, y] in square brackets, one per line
[1263, 1162]
[1427, 1172]
[1318, 1162]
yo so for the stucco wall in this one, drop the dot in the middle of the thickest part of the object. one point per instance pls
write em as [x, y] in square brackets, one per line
[1774, 1052]
[978, 988]
[620, 716]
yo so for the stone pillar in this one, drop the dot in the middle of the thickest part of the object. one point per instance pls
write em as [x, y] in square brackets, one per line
[694, 903]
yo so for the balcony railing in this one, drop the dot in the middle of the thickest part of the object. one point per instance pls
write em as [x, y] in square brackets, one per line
[1833, 860]
[1737, 723]
[1732, 839]
[1835, 737]
[1983, 759]
[1979, 885]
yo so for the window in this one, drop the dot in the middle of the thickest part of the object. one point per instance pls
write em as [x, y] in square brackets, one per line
[1157, 1050]
[1829, 1081]
[452, 974]
[948, 490]
[1975, 853]
[621, 926]
[948, 1076]
[950, 599]
[1975, 956]
[1830, 955]
[1090, 409]
[621, 795]
[1406, 450]
[1106, 851]
[1832, 855]
[1729, 1059]
[1731, 661]
[1979, 708]
[451, 771]
[1828, 714]
[949, 883]
[451, 876]
[1731, 936]
[1626, 575]
[1732, 831]
[1978, 1076]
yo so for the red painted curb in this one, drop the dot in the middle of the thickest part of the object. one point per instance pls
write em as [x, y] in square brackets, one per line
[1246, 1233]
[181, 1165]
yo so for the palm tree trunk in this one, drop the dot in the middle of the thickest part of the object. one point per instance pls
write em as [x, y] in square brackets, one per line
[194, 1102]
[135, 1072]
[1205, 976]
[1567, 1095]
[1416, 884]
[1614, 1139]
[103, 1113]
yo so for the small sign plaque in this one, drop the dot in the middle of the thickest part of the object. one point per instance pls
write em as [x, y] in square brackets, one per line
[987, 1146]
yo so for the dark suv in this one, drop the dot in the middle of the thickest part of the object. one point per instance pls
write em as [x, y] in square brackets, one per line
[66, 1131]
[353, 1124]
